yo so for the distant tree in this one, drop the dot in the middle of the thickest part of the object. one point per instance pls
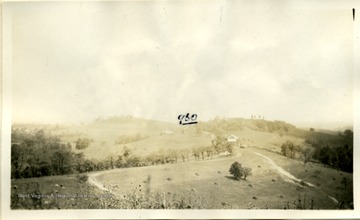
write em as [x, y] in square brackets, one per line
[312, 129]
[89, 166]
[82, 143]
[196, 153]
[79, 162]
[324, 155]
[17, 160]
[219, 144]
[230, 148]
[61, 161]
[246, 171]
[290, 148]
[284, 149]
[349, 137]
[236, 170]
[202, 152]
[316, 173]
[344, 156]
[126, 152]
[82, 178]
[348, 133]
[183, 157]
[133, 161]
[209, 152]
[174, 156]
[111, 163]
[281, 133]
[346, 182]
[307, 154]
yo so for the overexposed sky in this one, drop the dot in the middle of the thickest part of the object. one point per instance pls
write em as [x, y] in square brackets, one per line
[75, 62]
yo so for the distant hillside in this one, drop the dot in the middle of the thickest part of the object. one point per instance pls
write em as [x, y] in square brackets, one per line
[265, 132]
[109, 136]
[219, 126]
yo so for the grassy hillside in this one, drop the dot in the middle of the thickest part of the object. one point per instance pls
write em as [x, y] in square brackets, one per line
[56, 192]
[210, 183]
[105, 133]
[149, 145]
[196, 184]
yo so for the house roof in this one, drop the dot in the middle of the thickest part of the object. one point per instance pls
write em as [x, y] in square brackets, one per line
[233, 136]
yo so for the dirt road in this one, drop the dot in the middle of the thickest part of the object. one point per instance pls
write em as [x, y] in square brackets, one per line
[285, 175]
[289, 177]
[92, 180]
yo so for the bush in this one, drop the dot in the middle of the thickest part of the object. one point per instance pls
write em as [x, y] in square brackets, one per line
[83, 143]
[82, 178]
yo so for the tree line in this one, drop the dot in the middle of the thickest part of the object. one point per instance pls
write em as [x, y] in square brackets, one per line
[339, 157]
[39, 153]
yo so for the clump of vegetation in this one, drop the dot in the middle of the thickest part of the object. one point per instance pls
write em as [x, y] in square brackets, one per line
[330, 150]
[345, 182]
[125, 139]
[316, 173]
[83, 143]
[238, 171]
[303, 202]
[82, 177]
[290, 149]
[334, 151]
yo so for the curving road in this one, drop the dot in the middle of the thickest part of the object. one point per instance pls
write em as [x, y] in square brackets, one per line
[289, 177]
[96, 183]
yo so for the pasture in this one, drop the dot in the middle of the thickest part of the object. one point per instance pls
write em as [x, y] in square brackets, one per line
[210, 182]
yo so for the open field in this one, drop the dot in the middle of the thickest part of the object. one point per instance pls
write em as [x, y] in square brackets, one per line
[203, 184]
[149, 145]
[211, 182]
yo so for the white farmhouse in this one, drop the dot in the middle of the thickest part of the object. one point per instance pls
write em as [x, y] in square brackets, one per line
[232, 138]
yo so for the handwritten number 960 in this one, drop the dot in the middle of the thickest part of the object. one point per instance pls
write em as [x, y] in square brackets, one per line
[187, 119]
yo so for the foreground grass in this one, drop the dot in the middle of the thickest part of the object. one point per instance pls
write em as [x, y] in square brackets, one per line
[327, 180]
[211, 180]
[66, 192]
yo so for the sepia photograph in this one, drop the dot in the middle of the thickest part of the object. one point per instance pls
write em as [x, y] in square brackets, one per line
[148, 106]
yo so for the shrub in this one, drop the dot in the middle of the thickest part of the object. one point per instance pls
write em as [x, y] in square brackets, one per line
[316, 173]
[82, 178]
[83, 143]
[246, 172]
